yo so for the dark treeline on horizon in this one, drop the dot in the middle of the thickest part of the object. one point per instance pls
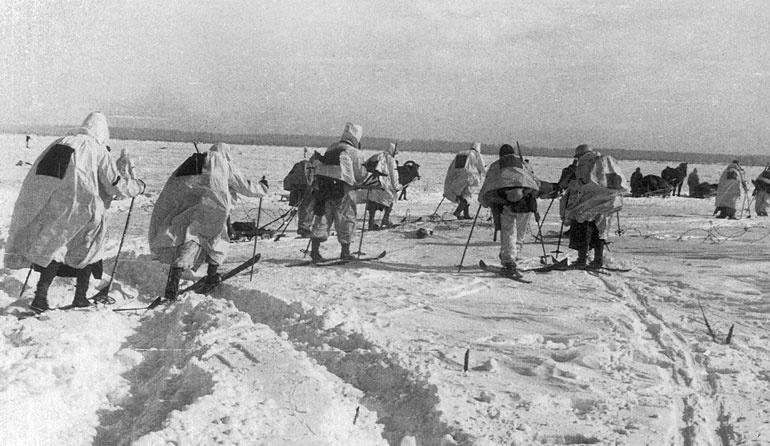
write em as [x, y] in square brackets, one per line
[377, 143]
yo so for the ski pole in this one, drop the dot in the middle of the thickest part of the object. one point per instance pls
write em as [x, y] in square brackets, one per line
[24, 287]
[436, 211]
[256, 236]
[469, 239]
[363, 224]
[286, 226]
[103, 292]
[558, 244]
[544, 260]
[307, 194]
[291, 209]
[540, 223]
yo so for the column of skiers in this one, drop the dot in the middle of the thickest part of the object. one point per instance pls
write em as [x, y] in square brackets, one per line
[58, 222]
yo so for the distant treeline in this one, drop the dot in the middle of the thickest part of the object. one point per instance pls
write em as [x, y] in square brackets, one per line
[375, 143]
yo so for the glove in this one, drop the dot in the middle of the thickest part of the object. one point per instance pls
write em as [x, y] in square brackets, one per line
[537, 217]
[144, 186]
[263, 182]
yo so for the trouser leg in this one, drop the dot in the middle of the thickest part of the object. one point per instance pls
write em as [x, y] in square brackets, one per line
[344, 215]
[386, 217]
[507, 238]
[83, 279]
[579, 240]
[40, 302]
[370, 211]
[172, 284]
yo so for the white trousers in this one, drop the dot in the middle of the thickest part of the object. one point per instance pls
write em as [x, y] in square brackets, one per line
[513, 226]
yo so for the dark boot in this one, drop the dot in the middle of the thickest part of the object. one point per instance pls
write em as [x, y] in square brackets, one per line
[459, 211]
[385, 223]
[172, 284]
[598, 261]
[580, 240]
[467, 211]
[315, 254]
[40, 302]
[213, 278]
[81, 288]
[582, 259]
[345, 252]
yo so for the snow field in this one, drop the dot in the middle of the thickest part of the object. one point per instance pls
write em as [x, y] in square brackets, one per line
[288, 358]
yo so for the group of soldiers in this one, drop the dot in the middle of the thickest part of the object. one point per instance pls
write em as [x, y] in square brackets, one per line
[732, 185]
[592, 188]
[58, 222]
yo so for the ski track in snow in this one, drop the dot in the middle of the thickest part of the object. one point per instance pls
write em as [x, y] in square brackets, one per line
[371, 353]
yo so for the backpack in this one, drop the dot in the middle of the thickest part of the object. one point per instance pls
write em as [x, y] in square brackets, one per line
[193, 165]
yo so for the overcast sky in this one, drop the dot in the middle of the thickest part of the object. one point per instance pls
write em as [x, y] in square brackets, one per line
[674, 75]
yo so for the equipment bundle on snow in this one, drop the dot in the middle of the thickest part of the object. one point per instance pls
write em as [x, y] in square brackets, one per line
[597, 189]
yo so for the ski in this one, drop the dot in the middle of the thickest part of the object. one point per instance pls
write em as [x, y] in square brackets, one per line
[33, 313]
[513, 275]
[336, 262]
[561, 265]
[198, 287]
[615, 270]
[344, 262]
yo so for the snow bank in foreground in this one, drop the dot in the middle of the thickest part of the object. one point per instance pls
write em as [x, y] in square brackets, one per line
[58, 372]
[198, 373]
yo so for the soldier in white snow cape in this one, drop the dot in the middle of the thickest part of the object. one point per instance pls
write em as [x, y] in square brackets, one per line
[729, 190]
[189, 221]
[384, 194]
[58, 220]
[463, 178]
[298, 182]
[510, 189]
[337, 174]
[595, 193]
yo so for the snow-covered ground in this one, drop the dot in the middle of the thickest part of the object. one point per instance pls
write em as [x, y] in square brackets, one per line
[373, 353]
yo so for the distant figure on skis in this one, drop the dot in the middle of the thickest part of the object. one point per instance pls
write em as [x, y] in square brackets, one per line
[384, 195]
[637, 183]
[189, 221]
[298, 182]
[762, 193]
[338, 172]
[729, 190]
[58, 223]
[510, 190]
[693, 183]
[463, 178]
[595, 193]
